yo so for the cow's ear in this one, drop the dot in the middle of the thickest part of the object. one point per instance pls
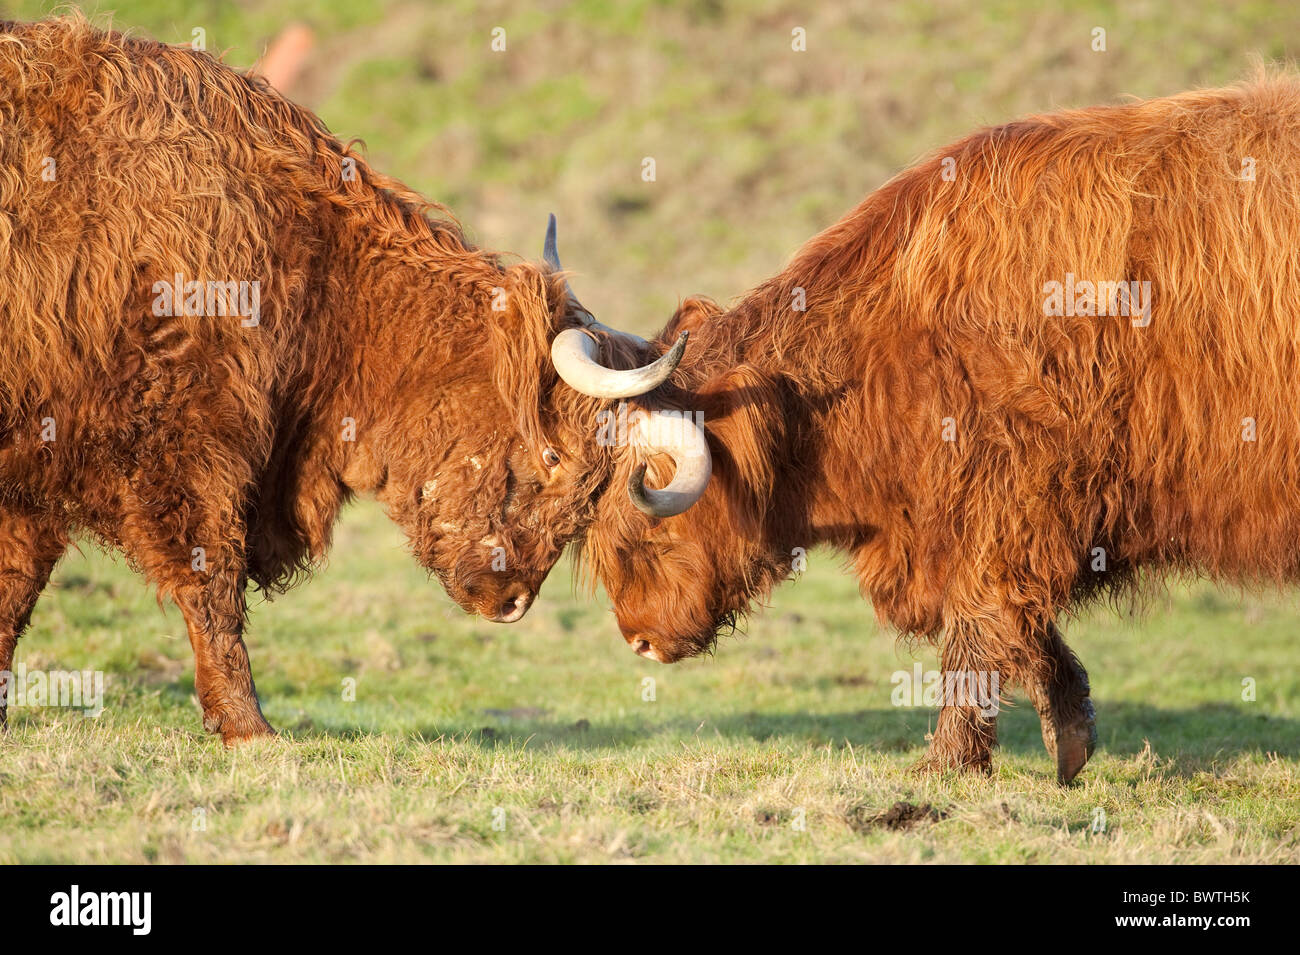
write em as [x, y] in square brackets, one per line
[691, 315]
[743, 416]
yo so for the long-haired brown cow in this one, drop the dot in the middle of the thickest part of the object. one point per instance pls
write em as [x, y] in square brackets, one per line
[1054, 355]
[217, 324]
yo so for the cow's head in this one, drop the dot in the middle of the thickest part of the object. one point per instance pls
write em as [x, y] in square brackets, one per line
[680, 535]
[518, 474]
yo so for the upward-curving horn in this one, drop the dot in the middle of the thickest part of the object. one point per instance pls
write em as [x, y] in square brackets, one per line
[689, 450]
[576, 354]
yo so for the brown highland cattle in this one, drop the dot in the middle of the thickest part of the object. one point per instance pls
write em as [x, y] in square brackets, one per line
[1045, 364]
[218, 324]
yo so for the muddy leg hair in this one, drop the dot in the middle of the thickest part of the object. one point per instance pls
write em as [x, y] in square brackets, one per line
[967, 729]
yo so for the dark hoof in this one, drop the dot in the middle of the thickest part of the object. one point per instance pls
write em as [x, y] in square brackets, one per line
[1074, 744]
[236, 728]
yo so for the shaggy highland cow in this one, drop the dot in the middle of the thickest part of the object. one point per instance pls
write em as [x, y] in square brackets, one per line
[217, 324]
[1051, 357]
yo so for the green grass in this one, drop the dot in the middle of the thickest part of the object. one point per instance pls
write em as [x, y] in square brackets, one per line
[757, 149]
[543, 724]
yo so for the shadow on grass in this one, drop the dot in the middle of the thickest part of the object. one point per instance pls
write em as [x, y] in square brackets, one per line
[1194, 737]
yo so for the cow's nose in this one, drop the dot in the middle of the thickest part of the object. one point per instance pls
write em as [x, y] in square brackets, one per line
[513, 608]
[641, 647]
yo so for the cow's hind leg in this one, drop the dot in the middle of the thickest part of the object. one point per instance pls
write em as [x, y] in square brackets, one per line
[30, 546]
[1060, 694]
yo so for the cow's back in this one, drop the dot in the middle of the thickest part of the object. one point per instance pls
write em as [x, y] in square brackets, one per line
[1108, 300]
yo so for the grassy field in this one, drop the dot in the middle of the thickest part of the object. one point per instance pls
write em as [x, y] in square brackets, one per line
[469, 741]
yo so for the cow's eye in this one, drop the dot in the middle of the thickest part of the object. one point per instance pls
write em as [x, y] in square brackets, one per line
[550, 457]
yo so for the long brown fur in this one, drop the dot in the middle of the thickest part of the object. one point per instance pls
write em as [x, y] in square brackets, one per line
[1073, 436]
[213, 453]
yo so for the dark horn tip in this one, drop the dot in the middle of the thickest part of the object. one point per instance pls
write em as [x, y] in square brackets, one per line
[636, 489]
[679, 347]
[550, 249]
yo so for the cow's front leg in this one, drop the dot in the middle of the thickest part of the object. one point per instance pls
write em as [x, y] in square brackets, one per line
[984, 655]
[223, 678]
[973, 670]
[195, 553]
[1060, 694]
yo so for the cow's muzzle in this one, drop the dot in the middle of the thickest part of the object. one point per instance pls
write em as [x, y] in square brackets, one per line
[512, 608]
[641, 647]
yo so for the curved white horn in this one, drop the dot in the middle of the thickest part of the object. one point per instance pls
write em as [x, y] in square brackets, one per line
[574, 354]
[682, 438]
